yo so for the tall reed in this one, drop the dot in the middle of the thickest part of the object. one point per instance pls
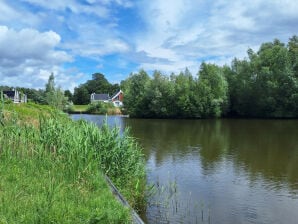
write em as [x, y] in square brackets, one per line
[66, 153]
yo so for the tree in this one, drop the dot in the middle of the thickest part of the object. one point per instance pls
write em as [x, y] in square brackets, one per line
[265, 85]
[50, 85]
[81, 95]
[185, 98]
[69, 95]
[213, 88]
[160, 96]
[134, 88]
[293, 54]
[54, 96]
[98, 84]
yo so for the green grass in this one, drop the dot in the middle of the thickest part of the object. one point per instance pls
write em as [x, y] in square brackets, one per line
[96, 108]
[28, 112]
[37, 191]
[80, 108]
[52, 171]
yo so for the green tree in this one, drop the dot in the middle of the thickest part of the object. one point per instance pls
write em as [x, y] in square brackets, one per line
[159, 96]
[54, 96]
[293, 54]
[81, 95]
[134, 88]
[185, 95]
[98, 84]
[212, 90]
[69, 95]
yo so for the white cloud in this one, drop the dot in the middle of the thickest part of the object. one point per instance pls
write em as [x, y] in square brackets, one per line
[16, 16]
[27, 56]
[168, 36]
[97, 8]
[95, 40]
[188, 31]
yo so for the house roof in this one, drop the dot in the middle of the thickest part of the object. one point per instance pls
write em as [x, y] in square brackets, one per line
[102, 96]
[117, 94]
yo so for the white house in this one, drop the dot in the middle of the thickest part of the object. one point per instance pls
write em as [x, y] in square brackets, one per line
[103, 97]
[117, 99]
[15, 96]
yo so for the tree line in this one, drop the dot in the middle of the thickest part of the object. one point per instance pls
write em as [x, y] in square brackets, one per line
[265, 84]
[55, 96]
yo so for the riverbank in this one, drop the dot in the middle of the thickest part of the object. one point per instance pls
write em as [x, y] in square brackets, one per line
[98, 109]
[52, 169]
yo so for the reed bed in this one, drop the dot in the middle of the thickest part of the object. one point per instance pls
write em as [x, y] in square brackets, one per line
[52, 171]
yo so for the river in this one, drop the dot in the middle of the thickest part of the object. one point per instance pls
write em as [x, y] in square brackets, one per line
[217, 170]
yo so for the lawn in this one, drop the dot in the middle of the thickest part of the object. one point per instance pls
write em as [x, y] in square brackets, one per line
[80, 108]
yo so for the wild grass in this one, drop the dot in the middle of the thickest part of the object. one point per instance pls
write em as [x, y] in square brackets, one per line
[52, 172]
[95, 108]
[103, 108]
[79, 108]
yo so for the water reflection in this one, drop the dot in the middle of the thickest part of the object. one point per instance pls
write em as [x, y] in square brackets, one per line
[245, 170]
[231, 171]
[262, 147]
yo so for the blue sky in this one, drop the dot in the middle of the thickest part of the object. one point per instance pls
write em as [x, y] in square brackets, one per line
[76, 38]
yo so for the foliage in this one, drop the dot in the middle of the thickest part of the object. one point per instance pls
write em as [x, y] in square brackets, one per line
[98, 84]
[263, 85]
[180, 95]
[81, 95]
[99, 108]
[212, 91]
[53, 173]
[54, 96]
[134, 88]
[33, 95]
[69, 95]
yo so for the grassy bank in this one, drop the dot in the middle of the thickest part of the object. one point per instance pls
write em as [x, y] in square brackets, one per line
[79, 108]
[97, 108]
[52, 169]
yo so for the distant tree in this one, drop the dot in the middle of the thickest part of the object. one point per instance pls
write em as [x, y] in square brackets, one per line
[69, 95]
[81, 95]
[159, 96]
[134, 88]
[212, 90]
[185, 95]
[265, 84]
[54, 96]
[98, 84]
[293, 54]
[50, 85]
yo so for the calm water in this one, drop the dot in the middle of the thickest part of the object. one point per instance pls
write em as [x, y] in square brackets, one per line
[218, 171]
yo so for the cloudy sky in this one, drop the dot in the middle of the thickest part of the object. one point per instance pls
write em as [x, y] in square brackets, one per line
[76, 38]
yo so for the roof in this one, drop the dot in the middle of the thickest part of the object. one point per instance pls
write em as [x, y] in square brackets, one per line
[102, 96]
[117, 94]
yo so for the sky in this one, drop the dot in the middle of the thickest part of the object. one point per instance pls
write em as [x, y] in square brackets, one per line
[75, 38]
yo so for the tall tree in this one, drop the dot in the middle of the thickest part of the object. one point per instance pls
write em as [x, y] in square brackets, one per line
[81, 95]
[54, 96]
[98, 84]
[213, 89]
[134, 88]
[69, 95]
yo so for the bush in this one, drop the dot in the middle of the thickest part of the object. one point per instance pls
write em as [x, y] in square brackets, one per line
[99, 108]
